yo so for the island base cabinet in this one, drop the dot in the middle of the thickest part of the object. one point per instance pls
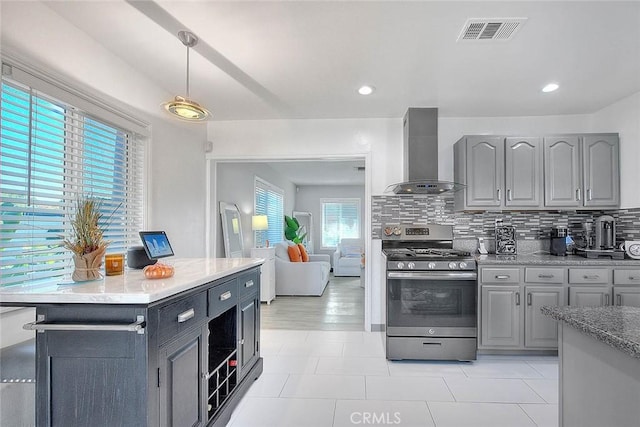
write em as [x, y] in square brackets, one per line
[599, 385]
[90, 377]
[180, 381]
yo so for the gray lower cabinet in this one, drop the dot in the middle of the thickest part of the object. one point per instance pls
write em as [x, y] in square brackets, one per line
[181, 384]
[540, 330]
[626, 295]
[590, 296]
[501, 316]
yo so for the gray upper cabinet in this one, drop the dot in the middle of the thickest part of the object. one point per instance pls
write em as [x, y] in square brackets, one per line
[562, 172]
[523, 172]
[482, 161]
[600, 170]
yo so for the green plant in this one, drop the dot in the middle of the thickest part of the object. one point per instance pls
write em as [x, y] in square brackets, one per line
[292, 230]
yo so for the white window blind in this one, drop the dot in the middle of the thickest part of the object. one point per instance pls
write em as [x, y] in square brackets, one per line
[269, 201]
[340, 219]
[52, 153]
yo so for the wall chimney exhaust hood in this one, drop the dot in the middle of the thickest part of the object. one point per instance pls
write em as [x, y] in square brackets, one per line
[420, 155]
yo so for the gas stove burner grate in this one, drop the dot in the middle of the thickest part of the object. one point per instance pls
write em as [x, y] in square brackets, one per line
[444, 253]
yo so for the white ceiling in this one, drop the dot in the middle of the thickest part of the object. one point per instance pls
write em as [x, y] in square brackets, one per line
[266, 60]
[321, 172]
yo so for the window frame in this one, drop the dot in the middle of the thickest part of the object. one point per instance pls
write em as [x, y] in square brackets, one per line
[324, 201]
[260, 241]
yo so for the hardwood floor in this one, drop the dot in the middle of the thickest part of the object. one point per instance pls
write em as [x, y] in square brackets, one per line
[340, 308]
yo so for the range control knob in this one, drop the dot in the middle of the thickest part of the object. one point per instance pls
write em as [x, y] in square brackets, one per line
[431, 265]
[411, 265]
[452, 266]
[400, 265]
[463, 265]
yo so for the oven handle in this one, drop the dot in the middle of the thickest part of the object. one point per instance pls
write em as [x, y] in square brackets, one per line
[434, 275]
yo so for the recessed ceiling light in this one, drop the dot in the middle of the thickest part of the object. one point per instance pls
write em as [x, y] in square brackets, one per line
[366, 90]
[550, 87]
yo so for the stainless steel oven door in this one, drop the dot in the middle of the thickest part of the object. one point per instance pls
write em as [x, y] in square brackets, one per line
[432, 304]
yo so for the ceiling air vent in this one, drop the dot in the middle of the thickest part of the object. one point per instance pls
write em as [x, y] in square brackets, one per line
[491, 28]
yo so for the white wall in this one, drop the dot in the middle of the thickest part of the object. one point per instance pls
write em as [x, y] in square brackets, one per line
[234, 183]
[624, 117]
[308, 200]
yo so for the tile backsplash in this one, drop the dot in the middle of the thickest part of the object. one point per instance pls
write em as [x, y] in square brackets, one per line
[530, 225]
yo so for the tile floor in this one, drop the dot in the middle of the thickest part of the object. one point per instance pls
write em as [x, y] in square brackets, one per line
[341, 378]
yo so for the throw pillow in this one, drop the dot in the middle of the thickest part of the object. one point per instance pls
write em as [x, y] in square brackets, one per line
[294, 253]
[303, 253]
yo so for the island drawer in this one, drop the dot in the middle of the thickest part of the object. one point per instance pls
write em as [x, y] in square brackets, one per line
[500, 275]
[222, 297]
[626, 277]
[588, 275]
[544, 275]
[249, 283]
[181, 315]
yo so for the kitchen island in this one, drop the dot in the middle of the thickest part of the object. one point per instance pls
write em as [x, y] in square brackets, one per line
[127, 351]
[599, 351]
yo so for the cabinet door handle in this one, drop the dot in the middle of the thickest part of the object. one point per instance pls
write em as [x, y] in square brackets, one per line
[588, 194]
[186, 315]
[241, 341]
[619, 299]
[578, 195]
[502, 276]
[606, 299]
[517, 298]
[248, 284]
[498, 192]
[529, 302]
[545, 276]
[509, 194]
[591, 277]
[225, 296]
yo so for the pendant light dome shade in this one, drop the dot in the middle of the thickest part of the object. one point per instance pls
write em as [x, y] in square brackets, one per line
[183, 107]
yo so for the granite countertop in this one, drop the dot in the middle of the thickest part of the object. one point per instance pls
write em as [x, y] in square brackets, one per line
[131, 287]
[544, 258]
[618, 327]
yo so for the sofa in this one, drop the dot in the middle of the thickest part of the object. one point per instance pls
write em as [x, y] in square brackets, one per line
[347, 257]
[301, 278]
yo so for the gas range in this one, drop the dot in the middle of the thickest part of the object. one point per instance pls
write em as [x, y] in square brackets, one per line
[423, 248]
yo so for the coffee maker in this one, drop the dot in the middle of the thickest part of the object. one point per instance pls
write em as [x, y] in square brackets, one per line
[559, 241]
[605, 233]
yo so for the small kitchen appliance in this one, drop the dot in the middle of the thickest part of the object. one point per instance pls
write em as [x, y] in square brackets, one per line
[559, 241]
[604, 242]
[632, 248]
[431, 294]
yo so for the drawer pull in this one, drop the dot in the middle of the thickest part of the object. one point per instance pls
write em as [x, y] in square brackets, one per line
[545, 276]
[225, 296]
[186, 315]
[634, 278]
[431, 343]
[591, 277]
[502, 276]
[248, 284]
[619, 299]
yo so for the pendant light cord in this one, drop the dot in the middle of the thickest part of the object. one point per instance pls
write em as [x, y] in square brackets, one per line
[188, 97]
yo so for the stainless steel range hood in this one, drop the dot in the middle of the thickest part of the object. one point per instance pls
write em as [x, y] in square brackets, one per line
[420, 129]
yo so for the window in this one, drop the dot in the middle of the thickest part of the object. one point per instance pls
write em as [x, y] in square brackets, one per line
[269, 201]
[340, 219]
[51, 153]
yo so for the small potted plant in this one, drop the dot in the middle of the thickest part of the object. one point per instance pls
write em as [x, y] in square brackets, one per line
[86, 241]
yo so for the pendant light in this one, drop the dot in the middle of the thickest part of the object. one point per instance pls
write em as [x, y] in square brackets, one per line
[183, 107]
